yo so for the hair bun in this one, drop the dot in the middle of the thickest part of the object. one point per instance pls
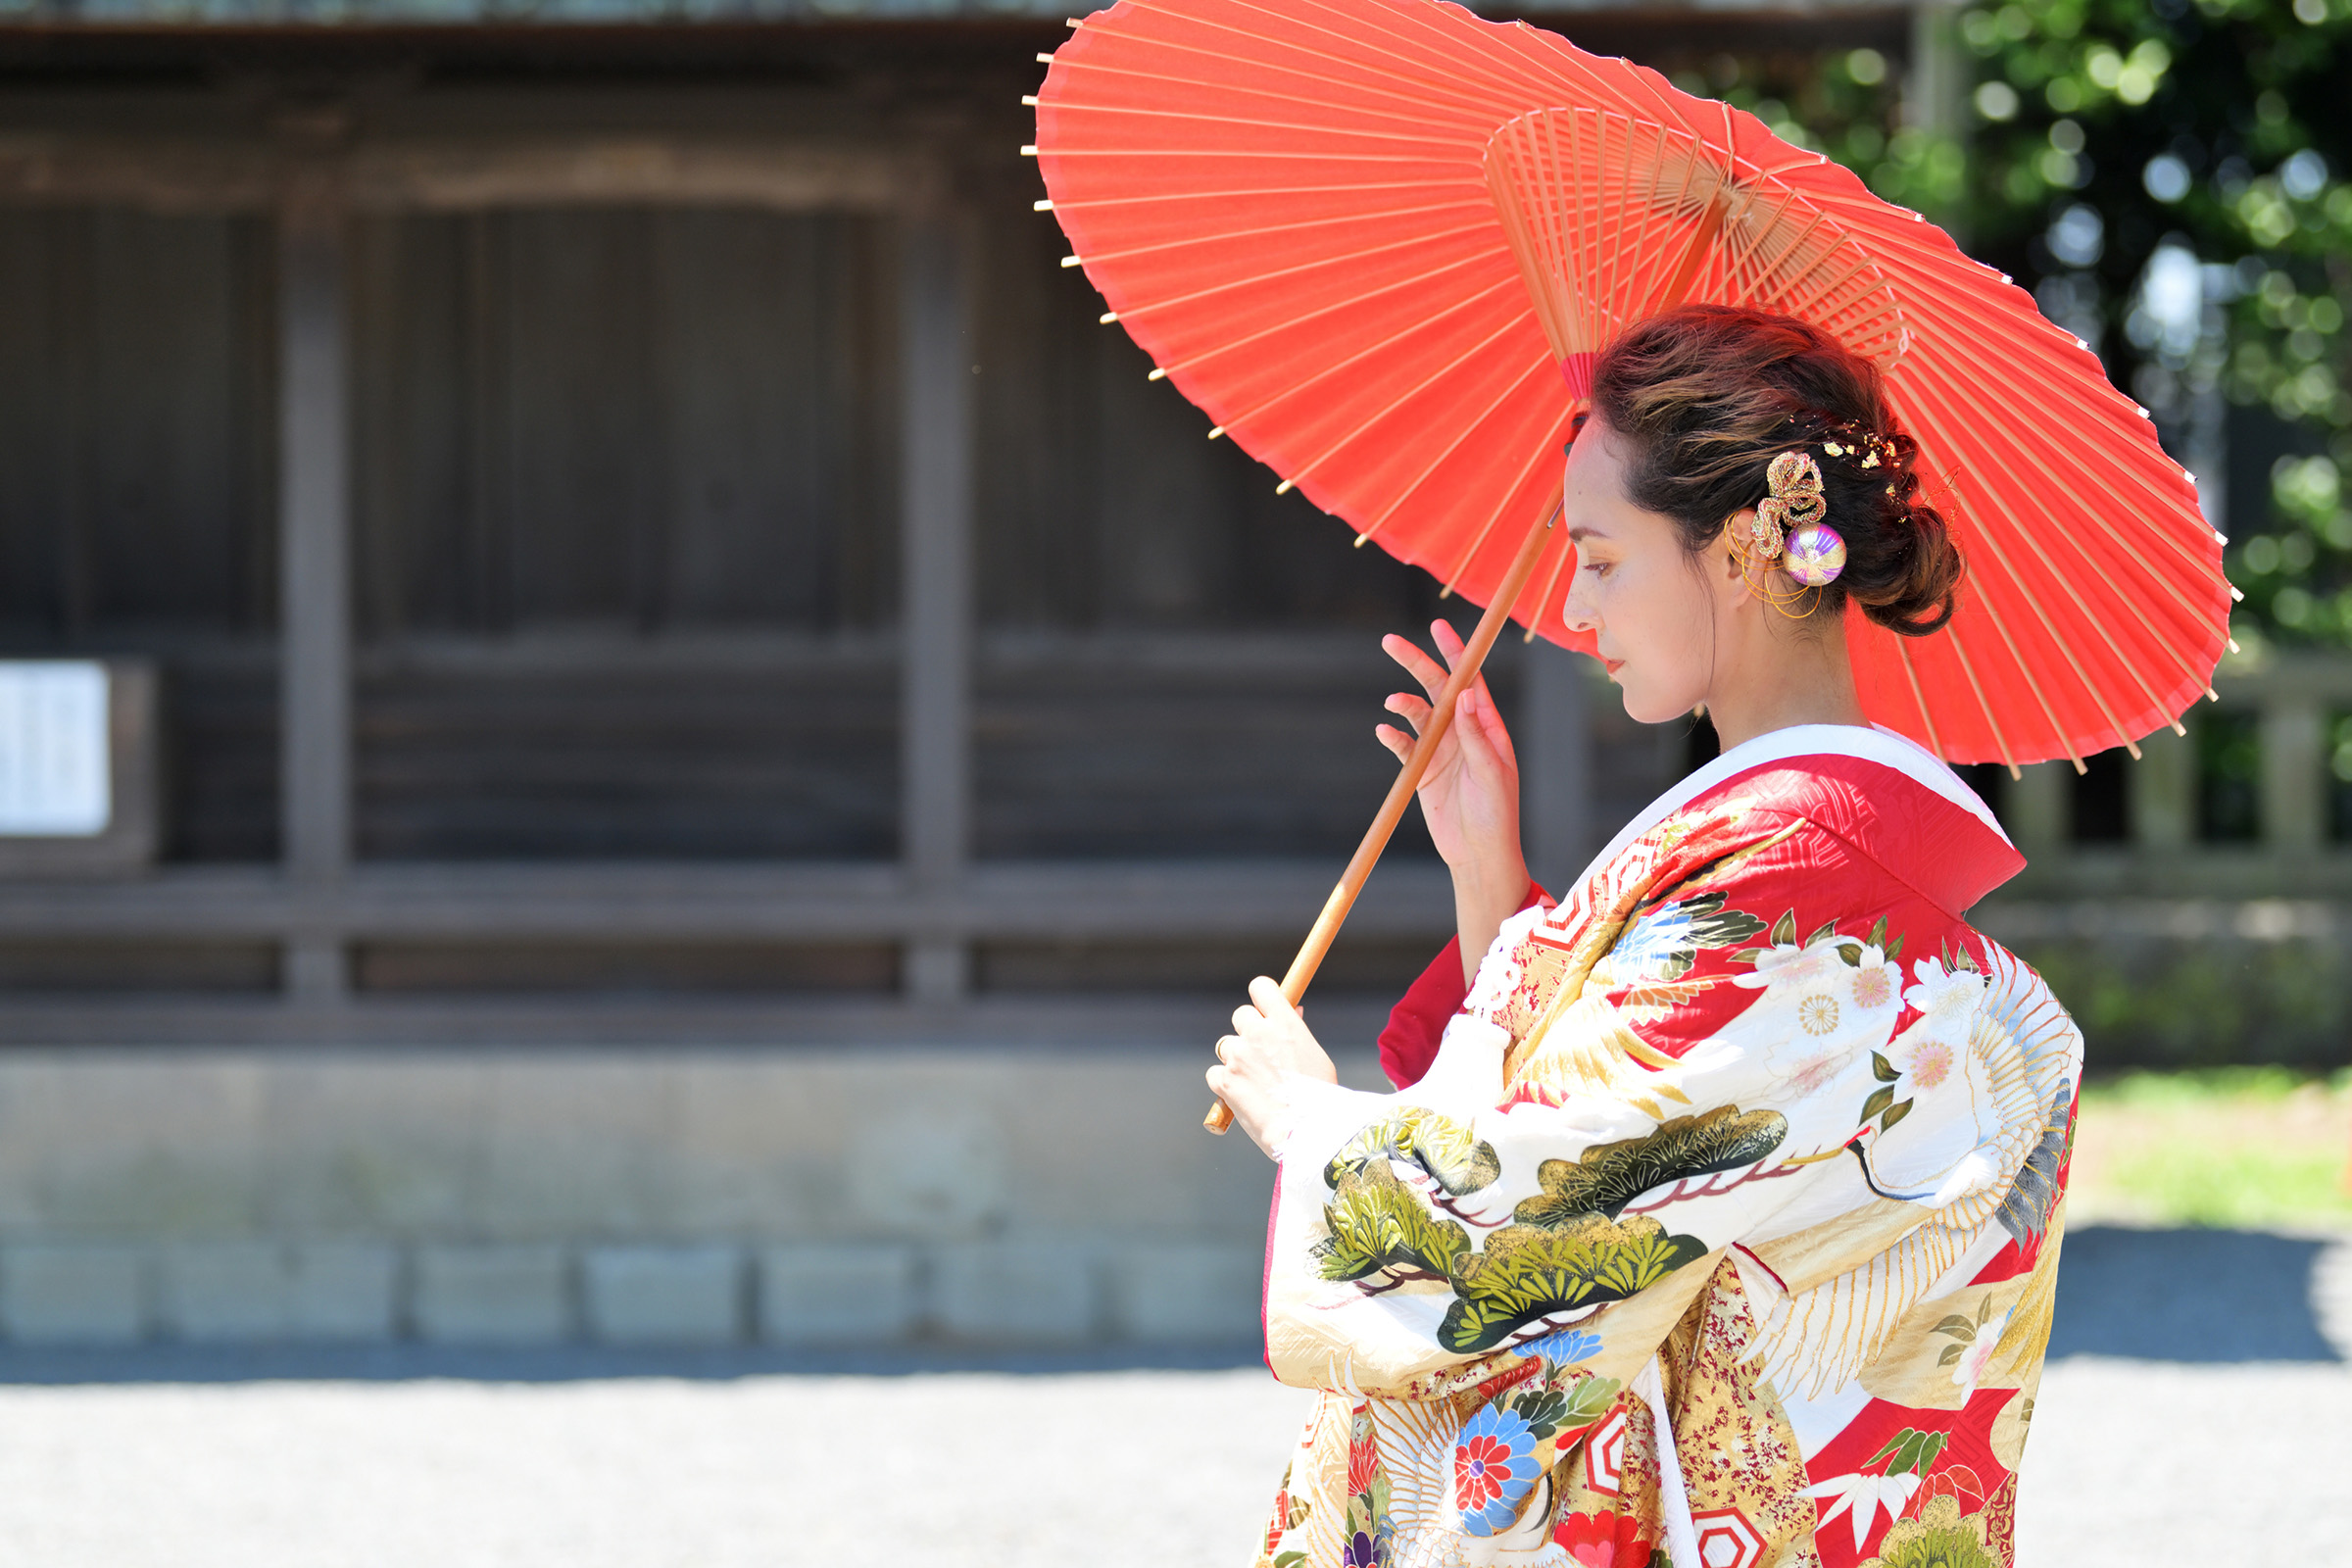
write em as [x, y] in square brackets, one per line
[1709, 394]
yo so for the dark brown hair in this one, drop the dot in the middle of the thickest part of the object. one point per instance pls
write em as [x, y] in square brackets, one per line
[1706, 395]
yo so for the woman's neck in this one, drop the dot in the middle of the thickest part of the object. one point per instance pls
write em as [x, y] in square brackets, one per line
[1783, 679]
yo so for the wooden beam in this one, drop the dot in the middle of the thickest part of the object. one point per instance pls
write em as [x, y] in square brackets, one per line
[934, 371]
[458, 174]
[703, 902]
[314, 575]
[2294, 774]
[451, 173]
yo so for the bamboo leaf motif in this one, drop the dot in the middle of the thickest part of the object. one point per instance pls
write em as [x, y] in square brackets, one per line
[1530, 1271]
[1378, 1225]
[1783, 930]
[1609, 1176]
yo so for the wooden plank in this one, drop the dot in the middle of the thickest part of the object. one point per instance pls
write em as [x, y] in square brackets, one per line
[314, 612]
[199, 173]
[935, 555]
[681, 902]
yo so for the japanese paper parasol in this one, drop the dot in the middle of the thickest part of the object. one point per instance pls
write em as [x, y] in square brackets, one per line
[1379, 242]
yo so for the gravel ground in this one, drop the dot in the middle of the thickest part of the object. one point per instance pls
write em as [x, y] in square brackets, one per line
[2233, 1463]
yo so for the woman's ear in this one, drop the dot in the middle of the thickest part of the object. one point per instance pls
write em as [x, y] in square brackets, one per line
[1731, 568]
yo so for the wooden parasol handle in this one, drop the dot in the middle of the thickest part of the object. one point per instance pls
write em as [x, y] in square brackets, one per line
[1408, 779]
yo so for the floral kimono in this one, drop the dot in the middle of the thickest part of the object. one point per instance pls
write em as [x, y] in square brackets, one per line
[1722, 1230]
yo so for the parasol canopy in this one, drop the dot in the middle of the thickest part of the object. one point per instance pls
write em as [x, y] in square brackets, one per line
[1380, 242]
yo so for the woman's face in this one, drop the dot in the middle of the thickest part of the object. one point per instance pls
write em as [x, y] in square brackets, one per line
[1653, 610]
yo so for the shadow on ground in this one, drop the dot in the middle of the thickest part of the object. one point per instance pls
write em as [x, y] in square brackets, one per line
[2191, 1296]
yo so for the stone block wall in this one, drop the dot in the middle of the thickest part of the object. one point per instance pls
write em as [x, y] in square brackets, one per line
[675, 1197]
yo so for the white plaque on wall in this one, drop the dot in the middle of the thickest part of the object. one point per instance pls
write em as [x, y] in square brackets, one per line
[54, 764]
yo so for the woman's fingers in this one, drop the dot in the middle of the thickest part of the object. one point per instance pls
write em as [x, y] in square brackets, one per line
[1271, 1004]
[1412, 710]
[1395, 740]
[1418, 665]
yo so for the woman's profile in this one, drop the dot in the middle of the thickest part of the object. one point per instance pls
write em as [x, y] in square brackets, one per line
[1715, 1218]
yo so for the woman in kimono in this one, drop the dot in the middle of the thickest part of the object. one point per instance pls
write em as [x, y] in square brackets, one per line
[1715, 1219]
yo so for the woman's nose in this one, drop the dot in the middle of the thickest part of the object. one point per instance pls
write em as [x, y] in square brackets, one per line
[1575, 613]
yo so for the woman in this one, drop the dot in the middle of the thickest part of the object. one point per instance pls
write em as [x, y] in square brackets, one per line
[1721, 1225]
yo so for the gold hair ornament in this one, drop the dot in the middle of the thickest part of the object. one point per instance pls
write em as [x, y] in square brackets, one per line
[1788, 530]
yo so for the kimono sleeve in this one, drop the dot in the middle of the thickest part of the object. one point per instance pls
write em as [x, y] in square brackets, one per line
[1694, 1092]
[1417, 1023]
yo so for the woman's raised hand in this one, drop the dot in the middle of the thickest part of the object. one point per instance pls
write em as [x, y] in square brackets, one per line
[1470, 794]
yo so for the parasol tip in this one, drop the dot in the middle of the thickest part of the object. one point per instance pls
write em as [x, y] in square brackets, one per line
[1044, 59]
[1029, 150]
[1283, 489]
[1216, 432]
[1028, 100]
[1045, 206]
[1072, 261]
[1157, 374]
[1106, 318]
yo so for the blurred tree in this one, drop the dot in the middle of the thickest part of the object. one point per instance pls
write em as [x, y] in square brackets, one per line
[2168, 177]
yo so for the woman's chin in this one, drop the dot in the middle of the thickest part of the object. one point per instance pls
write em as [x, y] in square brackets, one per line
[1646, 708]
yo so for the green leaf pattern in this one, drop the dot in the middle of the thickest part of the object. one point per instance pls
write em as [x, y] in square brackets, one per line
[1608, 1176]
[1379, 1226]
[1526, 1272]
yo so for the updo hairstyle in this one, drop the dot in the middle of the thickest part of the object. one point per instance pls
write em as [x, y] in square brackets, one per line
[1705, 396]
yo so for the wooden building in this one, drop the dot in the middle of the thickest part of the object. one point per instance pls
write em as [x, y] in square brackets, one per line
[723, 753]
[632, 509]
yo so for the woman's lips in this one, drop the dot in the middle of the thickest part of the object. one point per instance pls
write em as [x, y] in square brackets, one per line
[1614, 664]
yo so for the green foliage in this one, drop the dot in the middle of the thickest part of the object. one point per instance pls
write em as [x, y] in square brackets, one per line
[1608, 1176]
[2234, 1146]
[1378, 1225]
[2169, 179]
[1530, 1271]
[2202, 1004]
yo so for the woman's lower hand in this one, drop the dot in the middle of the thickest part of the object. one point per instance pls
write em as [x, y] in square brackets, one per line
[1264, 1062]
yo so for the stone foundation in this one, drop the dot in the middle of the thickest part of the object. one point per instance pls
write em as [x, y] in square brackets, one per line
[799, 1197]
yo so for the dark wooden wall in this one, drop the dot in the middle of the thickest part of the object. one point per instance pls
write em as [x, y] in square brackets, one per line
[136, 483]
[624, 543]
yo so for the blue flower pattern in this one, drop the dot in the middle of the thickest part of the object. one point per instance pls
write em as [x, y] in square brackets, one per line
[1565, 1345]
[1509, 1480]
[1645, 951]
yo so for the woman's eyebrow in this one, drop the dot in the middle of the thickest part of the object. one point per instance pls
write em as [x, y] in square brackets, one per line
[1579, 534]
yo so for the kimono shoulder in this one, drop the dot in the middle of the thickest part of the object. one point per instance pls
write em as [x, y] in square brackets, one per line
[1871, 831]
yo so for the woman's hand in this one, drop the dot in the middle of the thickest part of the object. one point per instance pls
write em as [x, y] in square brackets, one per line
[1263, 1061]
[1470, 794]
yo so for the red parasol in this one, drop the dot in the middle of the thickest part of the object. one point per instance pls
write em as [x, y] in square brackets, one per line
[1379, 242]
